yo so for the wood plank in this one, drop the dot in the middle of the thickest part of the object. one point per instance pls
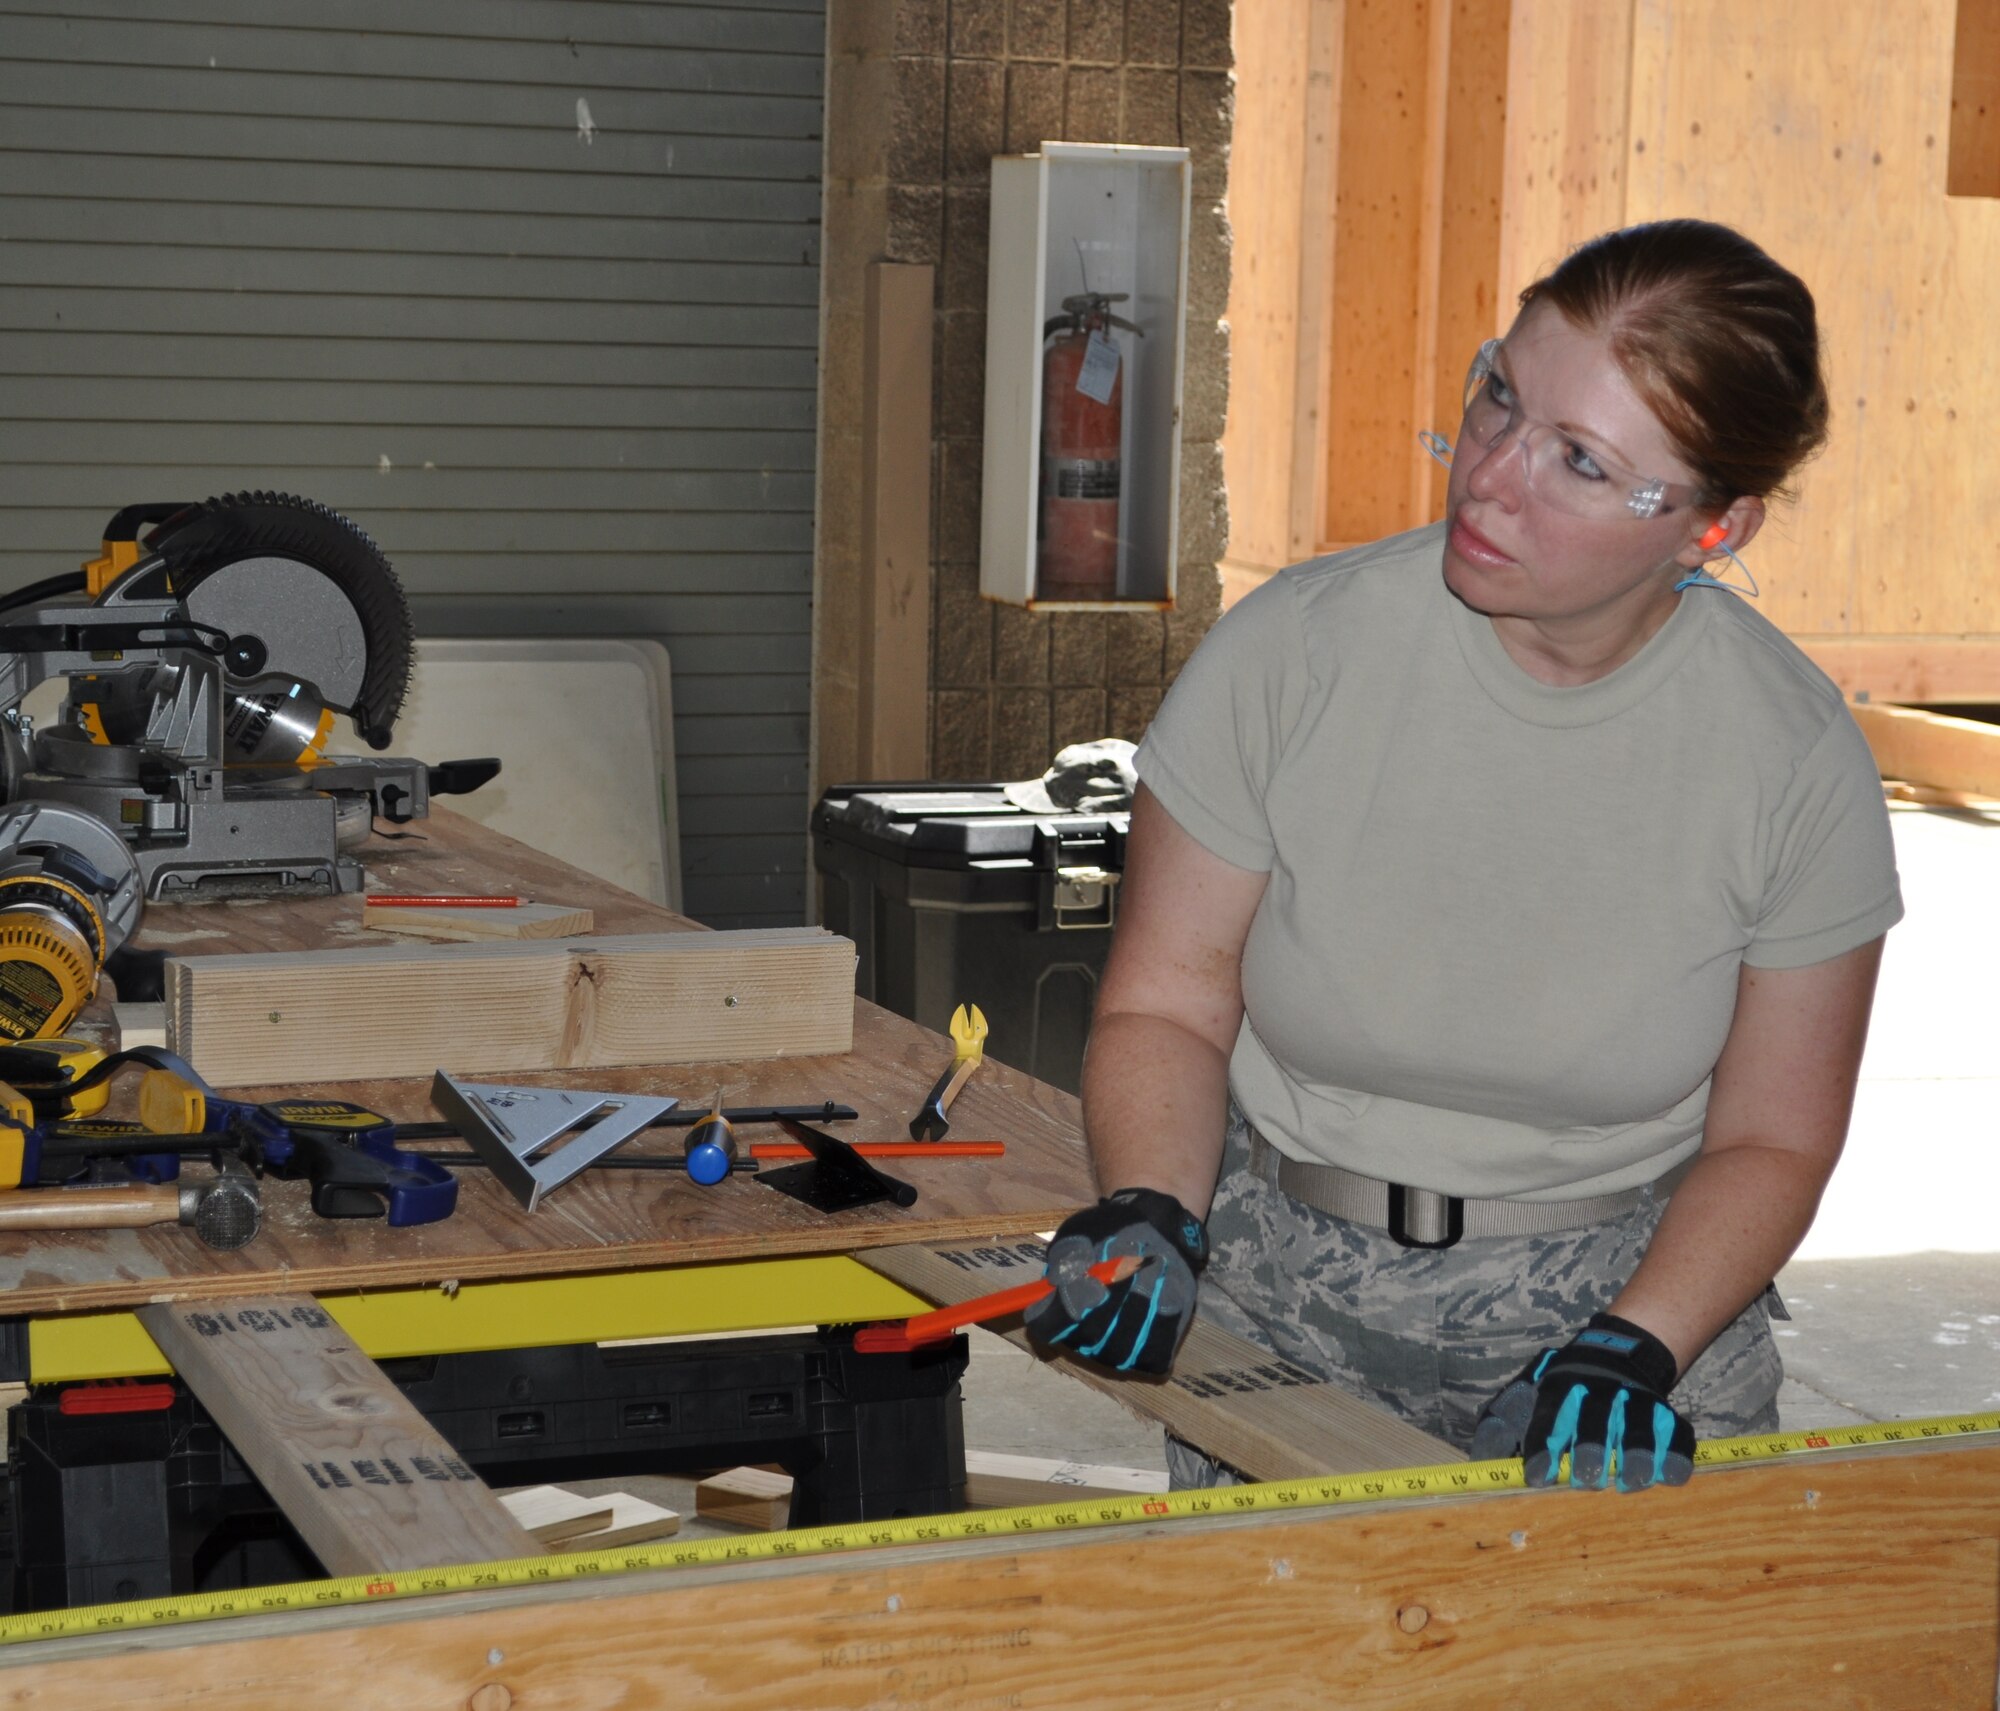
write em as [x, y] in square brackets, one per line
[579, 1003]
[524, 921]
[1242, 1405]
[894, 700]
[1568, 115]
[1932, 748]
[1974, 166]
[366, 1479]
[1905, 669]
[995, 1480]
[1268, 159]
[1829, 1584]
[1374, 327]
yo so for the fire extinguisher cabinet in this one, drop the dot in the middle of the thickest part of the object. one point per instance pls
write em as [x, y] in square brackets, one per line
[1086, 311]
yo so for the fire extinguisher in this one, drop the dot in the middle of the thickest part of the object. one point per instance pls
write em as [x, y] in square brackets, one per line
[1082, 420]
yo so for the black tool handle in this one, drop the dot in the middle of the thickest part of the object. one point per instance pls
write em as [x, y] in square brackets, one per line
[836, 1154]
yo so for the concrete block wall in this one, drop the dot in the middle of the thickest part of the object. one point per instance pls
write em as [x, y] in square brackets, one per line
[921, 95]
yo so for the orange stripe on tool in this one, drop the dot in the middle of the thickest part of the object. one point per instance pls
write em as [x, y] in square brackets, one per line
[900, 1336]
[888, 1149]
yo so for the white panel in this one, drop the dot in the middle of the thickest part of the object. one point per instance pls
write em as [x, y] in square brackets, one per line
[1105, 218]
[1014, 310]
[583, 728]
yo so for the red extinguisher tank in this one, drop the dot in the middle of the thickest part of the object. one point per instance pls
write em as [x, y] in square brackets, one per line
[1082, 428]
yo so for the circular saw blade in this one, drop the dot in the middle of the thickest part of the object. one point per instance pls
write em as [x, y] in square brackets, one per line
[310, 585]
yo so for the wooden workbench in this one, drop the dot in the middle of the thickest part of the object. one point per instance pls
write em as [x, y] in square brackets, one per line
[603, 1220]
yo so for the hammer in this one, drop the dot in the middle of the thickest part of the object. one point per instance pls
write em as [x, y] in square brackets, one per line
[225, 1212]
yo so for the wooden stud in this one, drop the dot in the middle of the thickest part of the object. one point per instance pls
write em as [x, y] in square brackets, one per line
[364, 1477]
[643, 998]
[896, 523]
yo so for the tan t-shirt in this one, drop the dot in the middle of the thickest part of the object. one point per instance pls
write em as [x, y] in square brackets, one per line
[1498, 953]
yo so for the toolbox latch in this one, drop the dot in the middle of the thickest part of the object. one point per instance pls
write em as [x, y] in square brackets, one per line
[1078, 891]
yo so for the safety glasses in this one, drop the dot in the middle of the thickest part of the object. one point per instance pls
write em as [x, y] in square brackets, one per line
[1560, 470]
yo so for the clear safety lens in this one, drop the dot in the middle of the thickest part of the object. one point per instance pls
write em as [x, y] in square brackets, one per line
[1561, 471]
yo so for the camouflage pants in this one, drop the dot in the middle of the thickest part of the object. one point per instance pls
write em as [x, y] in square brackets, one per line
[1431, 1335]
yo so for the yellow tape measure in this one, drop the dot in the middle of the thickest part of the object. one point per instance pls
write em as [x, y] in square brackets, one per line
[1452, 1480]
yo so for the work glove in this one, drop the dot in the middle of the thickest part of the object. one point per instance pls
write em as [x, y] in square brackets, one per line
[1602, 1399]
[1138, 1323]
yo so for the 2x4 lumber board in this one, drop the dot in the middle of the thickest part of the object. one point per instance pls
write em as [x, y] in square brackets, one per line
[1825, 1583]
[1242, 1405]
[523, 921]
[1930, 748]
[574, 1004]
[893, 738]
[1903, 669]
[366, 1479]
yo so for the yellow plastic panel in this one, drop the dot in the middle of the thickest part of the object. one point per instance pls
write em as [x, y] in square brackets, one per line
[681, 1301]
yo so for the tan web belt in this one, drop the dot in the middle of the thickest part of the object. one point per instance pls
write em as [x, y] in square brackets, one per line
[1424, 1218]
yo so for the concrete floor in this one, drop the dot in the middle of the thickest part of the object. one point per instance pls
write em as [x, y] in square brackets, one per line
[1896, 1290]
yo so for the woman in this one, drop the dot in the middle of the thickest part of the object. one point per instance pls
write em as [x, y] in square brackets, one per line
[1502, 912]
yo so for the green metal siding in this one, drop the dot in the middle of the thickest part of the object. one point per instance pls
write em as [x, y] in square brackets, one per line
[365, 251]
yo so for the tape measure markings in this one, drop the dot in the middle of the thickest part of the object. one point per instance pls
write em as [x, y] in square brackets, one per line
[1452, 1479]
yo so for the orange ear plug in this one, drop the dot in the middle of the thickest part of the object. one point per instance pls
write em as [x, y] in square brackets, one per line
[1717, 534]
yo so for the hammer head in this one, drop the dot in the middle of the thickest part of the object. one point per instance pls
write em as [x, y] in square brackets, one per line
[227, 1212]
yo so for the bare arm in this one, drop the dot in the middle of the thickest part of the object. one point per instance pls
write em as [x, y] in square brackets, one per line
[1777, 1118]
[1156, 1078]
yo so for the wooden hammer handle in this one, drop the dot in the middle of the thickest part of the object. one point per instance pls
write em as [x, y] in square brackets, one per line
[961, 1073]
[89, 1208]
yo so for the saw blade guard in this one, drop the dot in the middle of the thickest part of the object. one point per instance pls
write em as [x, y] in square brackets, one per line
[305, 594]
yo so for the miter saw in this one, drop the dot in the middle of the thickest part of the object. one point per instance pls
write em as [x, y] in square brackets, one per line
[207, 653]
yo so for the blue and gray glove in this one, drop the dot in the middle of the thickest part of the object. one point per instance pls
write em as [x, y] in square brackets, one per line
[1138, 1323]
[1601, 1399]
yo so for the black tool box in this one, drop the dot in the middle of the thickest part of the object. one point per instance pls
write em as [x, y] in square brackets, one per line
[152, 1501]
[953, 895]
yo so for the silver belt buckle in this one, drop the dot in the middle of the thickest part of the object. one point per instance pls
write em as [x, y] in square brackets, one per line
[1412, 1210]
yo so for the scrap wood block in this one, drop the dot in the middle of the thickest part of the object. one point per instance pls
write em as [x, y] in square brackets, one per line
[753, 1497]
[553, 1514]
[557, 1516]
[523, 921]
[408, 1009]
[997, 1481]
